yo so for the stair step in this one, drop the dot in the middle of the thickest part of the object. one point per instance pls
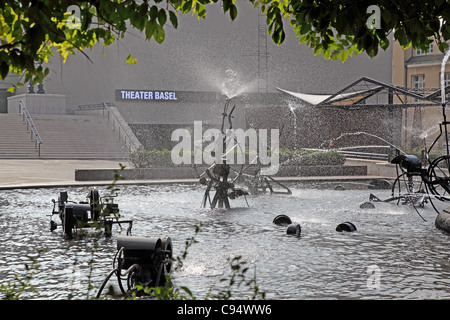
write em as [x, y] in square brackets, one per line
[63, 136]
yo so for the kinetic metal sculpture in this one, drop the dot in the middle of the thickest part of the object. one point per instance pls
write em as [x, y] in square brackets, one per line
[219, 173]
[421, 181]
[95, 212]
[222, 177]
[140, 261]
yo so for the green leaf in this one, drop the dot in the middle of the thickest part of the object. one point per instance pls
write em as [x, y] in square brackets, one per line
[130, 59]
[233, 12]
[159, 34]
[162, 17]
[317, 50]
[305, 28]
[154, 12]
[278, 35]
[187, 6]
[443, 46]
[173, 19]
[226, 4]
[384, 44]
[327, 54]
[201, 10]
[4, 69]
[343, 56]
[150, 28]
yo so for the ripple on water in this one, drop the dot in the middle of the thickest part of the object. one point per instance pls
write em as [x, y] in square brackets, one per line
[411, 254]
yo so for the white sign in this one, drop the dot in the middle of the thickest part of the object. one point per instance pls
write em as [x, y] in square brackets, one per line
[147, 95]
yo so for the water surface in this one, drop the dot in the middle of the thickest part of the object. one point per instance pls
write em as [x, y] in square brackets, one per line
[409, 255]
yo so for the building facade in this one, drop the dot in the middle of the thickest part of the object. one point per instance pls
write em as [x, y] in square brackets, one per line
[419, 71]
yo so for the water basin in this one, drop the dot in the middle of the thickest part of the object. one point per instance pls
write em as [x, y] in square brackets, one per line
[407, 255]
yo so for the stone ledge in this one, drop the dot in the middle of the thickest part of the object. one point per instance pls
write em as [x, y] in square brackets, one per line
[189, 172]
[443, 220]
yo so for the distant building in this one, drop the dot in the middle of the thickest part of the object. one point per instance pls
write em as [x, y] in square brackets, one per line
[184, 79]
[419, 71]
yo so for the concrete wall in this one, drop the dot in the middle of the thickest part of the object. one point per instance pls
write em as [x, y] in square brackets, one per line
[4, 100]
[39, 103]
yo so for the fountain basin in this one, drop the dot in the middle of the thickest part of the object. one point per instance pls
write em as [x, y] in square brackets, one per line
[443, 220]
[412, 254]
[188, 172]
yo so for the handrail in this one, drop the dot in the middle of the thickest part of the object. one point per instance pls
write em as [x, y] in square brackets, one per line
[122, 132]
[26, 116]
[120, 127]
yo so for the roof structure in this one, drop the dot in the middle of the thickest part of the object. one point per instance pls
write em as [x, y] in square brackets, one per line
[367, 92]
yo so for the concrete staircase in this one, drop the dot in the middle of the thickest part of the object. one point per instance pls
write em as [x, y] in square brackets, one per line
[63, 137]
[15, 140]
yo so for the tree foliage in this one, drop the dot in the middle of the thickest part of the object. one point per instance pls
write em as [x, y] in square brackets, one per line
[33, 30]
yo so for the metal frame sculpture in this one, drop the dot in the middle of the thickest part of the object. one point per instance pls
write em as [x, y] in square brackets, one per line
[95, 212]
[140, 261]
[434, 177]
[218, 176]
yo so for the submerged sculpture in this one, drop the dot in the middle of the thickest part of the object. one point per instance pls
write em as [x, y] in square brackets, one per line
[217, 175]
[222, 178]
[419, 182]
[95, 212]
[140, 261]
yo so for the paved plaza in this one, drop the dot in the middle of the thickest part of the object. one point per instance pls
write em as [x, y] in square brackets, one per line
[18, 173]
[37, 173]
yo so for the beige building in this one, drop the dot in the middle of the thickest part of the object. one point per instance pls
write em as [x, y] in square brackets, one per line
[419, 71]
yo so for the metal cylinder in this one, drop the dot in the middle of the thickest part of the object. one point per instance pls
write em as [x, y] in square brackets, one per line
[78, 211]
[294, 229]
[367, 205]
[138, 250]
[138, 243]
[282, 220]
[346, 226]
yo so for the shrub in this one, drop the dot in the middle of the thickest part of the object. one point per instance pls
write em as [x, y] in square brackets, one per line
[162, 158]
[151, 158]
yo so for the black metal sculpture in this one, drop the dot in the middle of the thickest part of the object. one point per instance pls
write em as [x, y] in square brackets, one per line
[140, 261]
[217, 175]
[97, 211]
[419, 182]
[223, 178]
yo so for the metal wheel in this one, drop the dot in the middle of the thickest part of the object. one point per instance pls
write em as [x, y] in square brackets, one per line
[410, 189]
[166, 261]
[438, 178]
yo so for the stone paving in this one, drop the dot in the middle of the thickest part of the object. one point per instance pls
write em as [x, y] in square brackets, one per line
[37, 173]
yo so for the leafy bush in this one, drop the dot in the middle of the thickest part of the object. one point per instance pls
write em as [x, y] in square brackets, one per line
[312, 158]
[162, 158]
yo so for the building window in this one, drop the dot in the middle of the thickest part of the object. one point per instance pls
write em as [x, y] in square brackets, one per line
[446, 79]
[418, 85]
[429, 50]
[446, 84]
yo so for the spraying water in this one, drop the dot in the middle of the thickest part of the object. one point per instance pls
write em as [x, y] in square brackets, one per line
[444, 62]
[361, 133]
[232, 85]
[292, 106]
